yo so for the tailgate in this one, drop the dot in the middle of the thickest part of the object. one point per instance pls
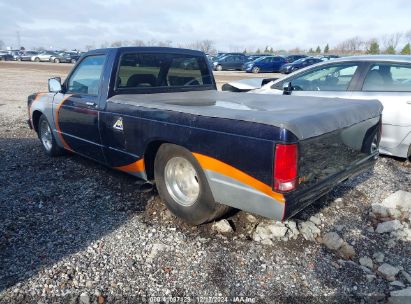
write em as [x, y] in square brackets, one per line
[330, 154]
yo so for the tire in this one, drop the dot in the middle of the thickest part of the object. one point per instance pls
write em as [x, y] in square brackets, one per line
[219, 68]
[371, 141]
[47, 139]
[198, 206]
[255, 70]
[18, 59]
[37, 59]
[56, 60]
[73, 61]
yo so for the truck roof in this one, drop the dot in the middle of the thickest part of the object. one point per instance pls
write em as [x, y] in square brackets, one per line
[152, 49]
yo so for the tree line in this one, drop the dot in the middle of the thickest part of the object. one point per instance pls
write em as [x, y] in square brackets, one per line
[387, 44]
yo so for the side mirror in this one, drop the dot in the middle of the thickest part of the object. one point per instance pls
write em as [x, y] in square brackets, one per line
[55, 85]
[287, 88]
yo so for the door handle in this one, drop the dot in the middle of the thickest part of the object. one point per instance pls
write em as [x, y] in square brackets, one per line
[91, 104]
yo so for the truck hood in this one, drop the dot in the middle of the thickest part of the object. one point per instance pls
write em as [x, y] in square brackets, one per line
[306, 117]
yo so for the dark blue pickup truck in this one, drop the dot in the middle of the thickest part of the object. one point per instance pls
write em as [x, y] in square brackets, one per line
[155, 113]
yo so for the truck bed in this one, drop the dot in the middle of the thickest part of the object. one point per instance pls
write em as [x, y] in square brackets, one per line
[306, 117]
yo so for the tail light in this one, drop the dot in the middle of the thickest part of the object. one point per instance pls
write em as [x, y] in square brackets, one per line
[285, 167]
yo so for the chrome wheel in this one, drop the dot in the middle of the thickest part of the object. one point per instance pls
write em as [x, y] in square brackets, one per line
[181, 181]
[45, 135]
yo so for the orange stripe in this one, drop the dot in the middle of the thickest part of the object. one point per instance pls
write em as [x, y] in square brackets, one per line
[34, 100]
[66, 146]
[135, 167]
[215, 165]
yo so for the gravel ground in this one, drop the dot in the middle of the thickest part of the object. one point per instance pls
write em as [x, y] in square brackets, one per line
[72, 230]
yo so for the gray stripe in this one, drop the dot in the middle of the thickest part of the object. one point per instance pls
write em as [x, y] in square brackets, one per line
[231, 192]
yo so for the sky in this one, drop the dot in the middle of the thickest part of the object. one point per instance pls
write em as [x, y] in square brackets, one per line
[230, 24]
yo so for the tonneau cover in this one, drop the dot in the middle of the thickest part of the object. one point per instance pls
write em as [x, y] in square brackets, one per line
[306, 117]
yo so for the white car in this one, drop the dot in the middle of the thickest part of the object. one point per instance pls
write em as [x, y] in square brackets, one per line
[383, 77]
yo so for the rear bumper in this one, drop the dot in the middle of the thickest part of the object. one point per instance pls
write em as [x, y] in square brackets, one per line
[297, 201]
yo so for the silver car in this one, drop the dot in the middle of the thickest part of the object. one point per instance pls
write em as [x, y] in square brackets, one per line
[44, 56]
[383, 77]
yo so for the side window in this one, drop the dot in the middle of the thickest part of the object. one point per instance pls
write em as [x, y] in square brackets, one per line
[140, 70]
[388, 77]
[331, 78]
[86, 77]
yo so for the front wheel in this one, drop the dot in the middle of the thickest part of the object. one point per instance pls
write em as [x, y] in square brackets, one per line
[255, 70]
[182, 184]
[219, 68]
[47, 139]
[73, 61]
[56, 60]
[37, 59]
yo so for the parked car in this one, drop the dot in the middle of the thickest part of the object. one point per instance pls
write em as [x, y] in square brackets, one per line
[266, 64]
[383, 77]
[139, 111]
[4, 55]
[26, 55]
[328, 57]
[15, 53]
[65, 57]
[292, 58]
[251, 58]
[43, 56]
[230, 62]
[299, 64]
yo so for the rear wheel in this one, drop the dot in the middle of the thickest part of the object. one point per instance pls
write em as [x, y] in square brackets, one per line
[219, 68]
[47, 139]
[56, 60]
[182, 184]
[37, 59]
[73, 60]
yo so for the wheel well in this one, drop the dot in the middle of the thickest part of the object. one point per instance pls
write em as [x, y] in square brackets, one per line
[36, 117]
[150, 156]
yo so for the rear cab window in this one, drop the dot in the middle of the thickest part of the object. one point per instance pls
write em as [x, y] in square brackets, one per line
[138, 71]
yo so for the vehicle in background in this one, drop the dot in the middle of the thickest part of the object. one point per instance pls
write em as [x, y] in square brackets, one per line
[251, 58]
[65, 57]
[5, 56]
[138, 110]
[230, 62]
[299, 64]
[15, 53]
[383, 77]
[26, 55]
[328, 57]
[43, 56]
[292, 58]
[266, 64]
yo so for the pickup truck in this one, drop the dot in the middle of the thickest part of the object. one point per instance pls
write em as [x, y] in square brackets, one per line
[155, 113]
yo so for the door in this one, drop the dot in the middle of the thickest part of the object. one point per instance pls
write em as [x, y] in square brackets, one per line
[76, 111]
[229, 62]
[390, 83]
